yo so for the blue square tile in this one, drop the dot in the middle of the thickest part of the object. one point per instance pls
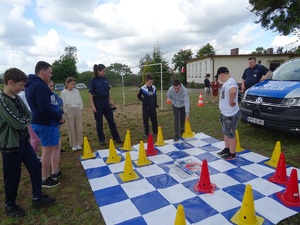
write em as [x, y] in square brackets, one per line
[162, 181]
[149, 202]
[97, 172]
[110, 195]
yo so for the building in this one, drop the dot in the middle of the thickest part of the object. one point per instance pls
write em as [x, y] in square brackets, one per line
[197, 69]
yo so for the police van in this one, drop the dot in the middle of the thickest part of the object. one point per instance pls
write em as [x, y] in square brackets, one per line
[275, 102]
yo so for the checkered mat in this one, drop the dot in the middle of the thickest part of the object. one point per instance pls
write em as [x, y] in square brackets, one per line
[170, 179]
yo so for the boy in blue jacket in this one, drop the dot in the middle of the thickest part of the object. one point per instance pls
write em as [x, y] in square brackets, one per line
[15, 146]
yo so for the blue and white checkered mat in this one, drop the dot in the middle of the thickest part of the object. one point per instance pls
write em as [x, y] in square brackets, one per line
[153, 198]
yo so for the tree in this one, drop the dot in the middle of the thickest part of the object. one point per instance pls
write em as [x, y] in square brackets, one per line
[206, 50]
[281, 16]
[65, 66]
[259, 51]
[179, 60]
[155, 70]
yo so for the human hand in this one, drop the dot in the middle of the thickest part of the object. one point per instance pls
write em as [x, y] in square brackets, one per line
[94, 109]
[232, 104]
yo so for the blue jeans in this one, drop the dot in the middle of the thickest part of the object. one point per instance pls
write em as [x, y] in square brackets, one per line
[12, 162]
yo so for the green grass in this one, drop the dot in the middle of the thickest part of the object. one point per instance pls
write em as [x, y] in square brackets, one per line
[76, 203]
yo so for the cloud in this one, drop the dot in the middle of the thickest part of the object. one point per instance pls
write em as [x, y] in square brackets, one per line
[123, 31]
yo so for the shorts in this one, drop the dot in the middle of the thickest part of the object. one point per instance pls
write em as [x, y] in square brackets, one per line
[49, 136]
[229, 124]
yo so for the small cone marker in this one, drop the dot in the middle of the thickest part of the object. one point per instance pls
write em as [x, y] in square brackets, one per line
[160, 138]
[290, 197]
[128, 174]
[127, 143]
[246, 215]
[280, 176]
[168, 101]
[142, 160]
[180, 217]
[112, 157]
[204, 185]
[187, 130]
[238, 144]
[200, 101]
[275, 156]
[150, 147]
[87, 152]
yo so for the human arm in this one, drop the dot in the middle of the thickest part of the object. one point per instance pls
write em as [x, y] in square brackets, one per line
[140, 95]
[186, 99]
[232, 96]
[266, 76]
[92, 103]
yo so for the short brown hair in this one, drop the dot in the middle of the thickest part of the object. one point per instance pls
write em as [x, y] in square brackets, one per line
[14, 74]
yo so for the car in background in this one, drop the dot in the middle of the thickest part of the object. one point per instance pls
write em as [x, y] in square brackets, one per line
[59, 87]
[275, 102]
[80, 86]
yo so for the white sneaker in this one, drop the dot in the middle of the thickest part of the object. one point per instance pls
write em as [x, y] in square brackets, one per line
[79, 147]
[74, 148]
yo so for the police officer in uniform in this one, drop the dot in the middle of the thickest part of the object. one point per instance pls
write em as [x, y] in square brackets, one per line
[102, 104]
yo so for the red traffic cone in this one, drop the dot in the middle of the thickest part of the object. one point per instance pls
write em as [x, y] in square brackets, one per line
[204, 184]
[280, 176]
[290, 197]
[168, 101]
[200, 101]
[150, 147]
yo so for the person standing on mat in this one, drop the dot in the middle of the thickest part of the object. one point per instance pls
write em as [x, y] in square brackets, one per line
[180, 100]
[147, 95]
[230, 112]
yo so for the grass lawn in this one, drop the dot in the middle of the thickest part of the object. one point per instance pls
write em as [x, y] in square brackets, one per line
[76, 203]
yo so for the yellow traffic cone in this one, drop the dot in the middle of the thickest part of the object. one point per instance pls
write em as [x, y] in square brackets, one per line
[246, 215]
[87, 152]
[180, 217]
[160, 138]
[127, 143]
[238, 144]
[188, 131]
[275, 156]
[112, 157]
[142, 160]
[128, 174]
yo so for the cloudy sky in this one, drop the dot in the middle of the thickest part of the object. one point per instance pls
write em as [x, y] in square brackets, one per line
[123, 31]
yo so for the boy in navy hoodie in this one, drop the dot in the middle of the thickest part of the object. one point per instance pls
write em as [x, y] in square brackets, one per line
[46, 118]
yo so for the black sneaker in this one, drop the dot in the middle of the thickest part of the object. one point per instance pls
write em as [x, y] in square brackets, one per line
[57, 175]
[62, 151]
[176, 137]
[43, 201]
[15, 211]
[225, 151]
[103, 143]
[154, 134]
[229, 156]
[146, 136]
[119, 141]
[50, 183]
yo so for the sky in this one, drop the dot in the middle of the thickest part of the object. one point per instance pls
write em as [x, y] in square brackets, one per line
[124, 31]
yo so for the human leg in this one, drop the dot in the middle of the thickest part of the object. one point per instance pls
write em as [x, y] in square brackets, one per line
[99, 125]
[146, 119]
[112, 125]
[34, 139]
[78, 127]
[153, 118]
[55, 157]
[182, 120]
[70, 120]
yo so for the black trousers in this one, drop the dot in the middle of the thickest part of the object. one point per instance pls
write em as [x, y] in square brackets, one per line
[150, 112]
[103, 109]
[179, 119]
[12, 172]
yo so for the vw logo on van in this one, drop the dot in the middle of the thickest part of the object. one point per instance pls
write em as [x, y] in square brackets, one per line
[259, 101]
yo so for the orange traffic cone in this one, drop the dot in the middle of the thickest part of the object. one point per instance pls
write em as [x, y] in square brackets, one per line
[290, 197]
[200, 101]
[150, 147]
[204, 184]
[280, 176]
[168, 101]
